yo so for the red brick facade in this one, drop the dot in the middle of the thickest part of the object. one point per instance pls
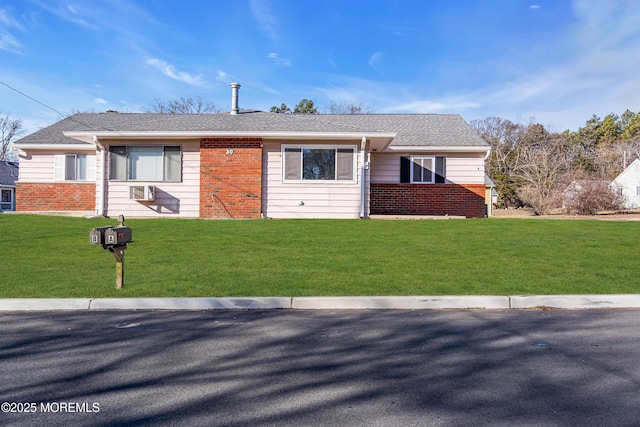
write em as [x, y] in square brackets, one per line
[421, 199]
[63, 196]
[230, 178]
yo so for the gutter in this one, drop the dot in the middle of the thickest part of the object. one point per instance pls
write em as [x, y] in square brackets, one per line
[363, 176]
[100, 181]
[440, 148]
[76, 147]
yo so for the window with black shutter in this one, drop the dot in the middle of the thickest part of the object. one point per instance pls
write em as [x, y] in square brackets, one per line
[423, 169]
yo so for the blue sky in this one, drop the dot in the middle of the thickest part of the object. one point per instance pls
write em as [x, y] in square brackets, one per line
[559, 61]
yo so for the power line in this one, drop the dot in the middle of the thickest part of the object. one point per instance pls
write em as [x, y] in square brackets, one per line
[33, 99]
[53, 109]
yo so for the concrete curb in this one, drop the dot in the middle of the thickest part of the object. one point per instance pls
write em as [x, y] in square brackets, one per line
[576, 301]
[399, 303]
[261, 303]
[326, 303]
[42, 304]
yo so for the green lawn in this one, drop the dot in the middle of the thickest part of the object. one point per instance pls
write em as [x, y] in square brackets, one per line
[52, 257]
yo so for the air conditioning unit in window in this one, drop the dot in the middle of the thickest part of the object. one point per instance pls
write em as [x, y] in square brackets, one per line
[144, 193]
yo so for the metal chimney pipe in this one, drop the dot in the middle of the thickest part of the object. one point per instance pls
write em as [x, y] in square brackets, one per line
[234, 98]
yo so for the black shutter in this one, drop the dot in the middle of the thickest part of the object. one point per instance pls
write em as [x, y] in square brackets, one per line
[441, 167]
[405, 169]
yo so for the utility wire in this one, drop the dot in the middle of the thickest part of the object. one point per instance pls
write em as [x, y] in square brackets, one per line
[53, 109]
[33, 99]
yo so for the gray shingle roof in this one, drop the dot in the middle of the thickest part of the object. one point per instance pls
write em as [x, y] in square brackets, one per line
[8, 173]
[414, 130]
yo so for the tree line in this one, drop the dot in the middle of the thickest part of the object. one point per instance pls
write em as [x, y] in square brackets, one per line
[531, 166]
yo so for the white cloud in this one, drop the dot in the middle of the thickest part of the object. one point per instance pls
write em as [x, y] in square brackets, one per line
[596, 75]
[7, 20]
[262, 12]
[534, 7]
[222, 76]
[100, 101]
[375, 59]
[67, 12]
[9, 43]
[440, 106]
[170, 71]
[278, 59]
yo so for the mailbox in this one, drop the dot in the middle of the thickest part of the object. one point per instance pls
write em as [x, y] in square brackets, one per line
[117, 236]
[96, 235]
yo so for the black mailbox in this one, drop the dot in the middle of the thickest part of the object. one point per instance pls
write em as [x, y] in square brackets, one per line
[96, 235]
[117, 236]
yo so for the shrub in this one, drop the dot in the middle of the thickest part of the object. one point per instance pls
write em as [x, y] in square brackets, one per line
[592, 197]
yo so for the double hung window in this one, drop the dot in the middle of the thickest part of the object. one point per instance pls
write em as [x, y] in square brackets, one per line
[319, 164]
[145, 163]
[423, 169]
[74, 167]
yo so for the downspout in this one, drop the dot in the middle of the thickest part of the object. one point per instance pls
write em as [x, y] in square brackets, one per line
[363, 176]
[100, 177]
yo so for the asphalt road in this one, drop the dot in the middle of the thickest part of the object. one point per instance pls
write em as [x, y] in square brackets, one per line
[335, 368]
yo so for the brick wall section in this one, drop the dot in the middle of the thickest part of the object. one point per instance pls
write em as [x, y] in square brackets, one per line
[423, 199]
[63, 196]
[230, 178]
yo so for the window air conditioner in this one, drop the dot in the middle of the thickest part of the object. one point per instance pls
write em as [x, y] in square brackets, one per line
[145, 193]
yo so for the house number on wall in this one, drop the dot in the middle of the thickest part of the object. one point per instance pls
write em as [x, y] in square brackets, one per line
[229, 151]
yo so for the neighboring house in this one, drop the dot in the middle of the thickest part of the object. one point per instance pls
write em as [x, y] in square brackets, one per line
[8, 178]
[628, 183]
[251, 164]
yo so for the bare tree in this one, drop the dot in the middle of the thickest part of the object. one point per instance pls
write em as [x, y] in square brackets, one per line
[505, 139]
[543, 172]
[184, 105]
[611, 159]
[349, 107]
[9, 129]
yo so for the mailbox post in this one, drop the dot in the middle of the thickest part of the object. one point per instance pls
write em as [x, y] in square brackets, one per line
[114, 239]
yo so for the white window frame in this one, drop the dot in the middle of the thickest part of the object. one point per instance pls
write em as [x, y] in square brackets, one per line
[353, 148]
[61, 172]
[162, 162]
[413, 160]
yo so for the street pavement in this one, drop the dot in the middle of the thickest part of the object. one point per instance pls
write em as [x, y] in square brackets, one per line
[362, 367]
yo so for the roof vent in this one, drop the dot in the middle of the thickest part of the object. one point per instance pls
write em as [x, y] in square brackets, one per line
[234, 98]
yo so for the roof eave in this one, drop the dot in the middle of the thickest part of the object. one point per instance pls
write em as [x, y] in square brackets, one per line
[36, 146]
[379, 140]
[440, 148]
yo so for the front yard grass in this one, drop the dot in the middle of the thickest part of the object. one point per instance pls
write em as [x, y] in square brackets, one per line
[51, 257]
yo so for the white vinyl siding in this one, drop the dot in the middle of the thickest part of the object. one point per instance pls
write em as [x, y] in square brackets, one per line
[309, 198]
[462, 168]
[172, 199]
[628, 183]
